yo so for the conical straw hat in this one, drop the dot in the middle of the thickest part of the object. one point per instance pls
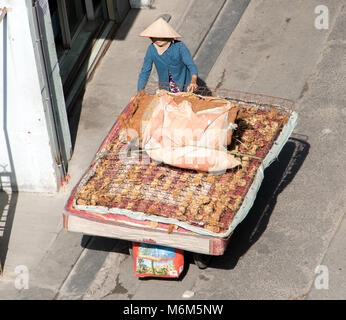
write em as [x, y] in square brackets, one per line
[160, 29]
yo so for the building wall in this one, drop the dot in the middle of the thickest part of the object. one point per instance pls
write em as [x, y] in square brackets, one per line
[25, 151]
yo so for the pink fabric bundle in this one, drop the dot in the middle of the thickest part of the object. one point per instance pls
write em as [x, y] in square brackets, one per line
[178, 136]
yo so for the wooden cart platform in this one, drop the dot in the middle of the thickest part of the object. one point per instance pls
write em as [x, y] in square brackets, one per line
[132, 230]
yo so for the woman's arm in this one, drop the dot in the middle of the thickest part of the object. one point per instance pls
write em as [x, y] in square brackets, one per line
[188, 61]
[145, 71]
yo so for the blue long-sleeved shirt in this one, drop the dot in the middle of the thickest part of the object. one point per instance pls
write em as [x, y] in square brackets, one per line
[176, 59]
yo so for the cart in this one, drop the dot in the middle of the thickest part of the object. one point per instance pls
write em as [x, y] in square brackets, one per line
[144, 227]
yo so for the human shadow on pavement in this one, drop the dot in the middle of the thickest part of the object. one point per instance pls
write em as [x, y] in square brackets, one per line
[203, 89]
[276, 178]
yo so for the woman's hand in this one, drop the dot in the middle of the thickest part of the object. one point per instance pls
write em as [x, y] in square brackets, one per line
[193, 84]
[192, 87]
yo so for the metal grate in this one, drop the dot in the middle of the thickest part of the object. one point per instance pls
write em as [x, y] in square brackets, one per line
[259, 100]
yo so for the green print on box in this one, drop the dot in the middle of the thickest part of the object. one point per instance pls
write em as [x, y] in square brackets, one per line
[154, 267]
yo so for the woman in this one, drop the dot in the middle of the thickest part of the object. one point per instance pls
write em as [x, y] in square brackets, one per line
[175, 67]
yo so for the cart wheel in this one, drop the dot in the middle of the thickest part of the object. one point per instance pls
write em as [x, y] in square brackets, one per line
[201, 260]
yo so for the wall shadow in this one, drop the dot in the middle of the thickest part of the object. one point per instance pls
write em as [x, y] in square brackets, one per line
[126, 24]
[8, 180]
[118, 32]
[276, 178]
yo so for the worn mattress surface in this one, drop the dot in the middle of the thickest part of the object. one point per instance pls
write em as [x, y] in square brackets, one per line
[124, 181]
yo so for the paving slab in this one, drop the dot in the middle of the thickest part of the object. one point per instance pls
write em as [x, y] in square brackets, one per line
[84, 270]
[218, 34]
[35, 222]
[329, 281]
[198, 21]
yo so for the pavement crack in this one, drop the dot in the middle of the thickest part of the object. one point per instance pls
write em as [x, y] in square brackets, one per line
[222, 79]
[304, 90]
[118, 289]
